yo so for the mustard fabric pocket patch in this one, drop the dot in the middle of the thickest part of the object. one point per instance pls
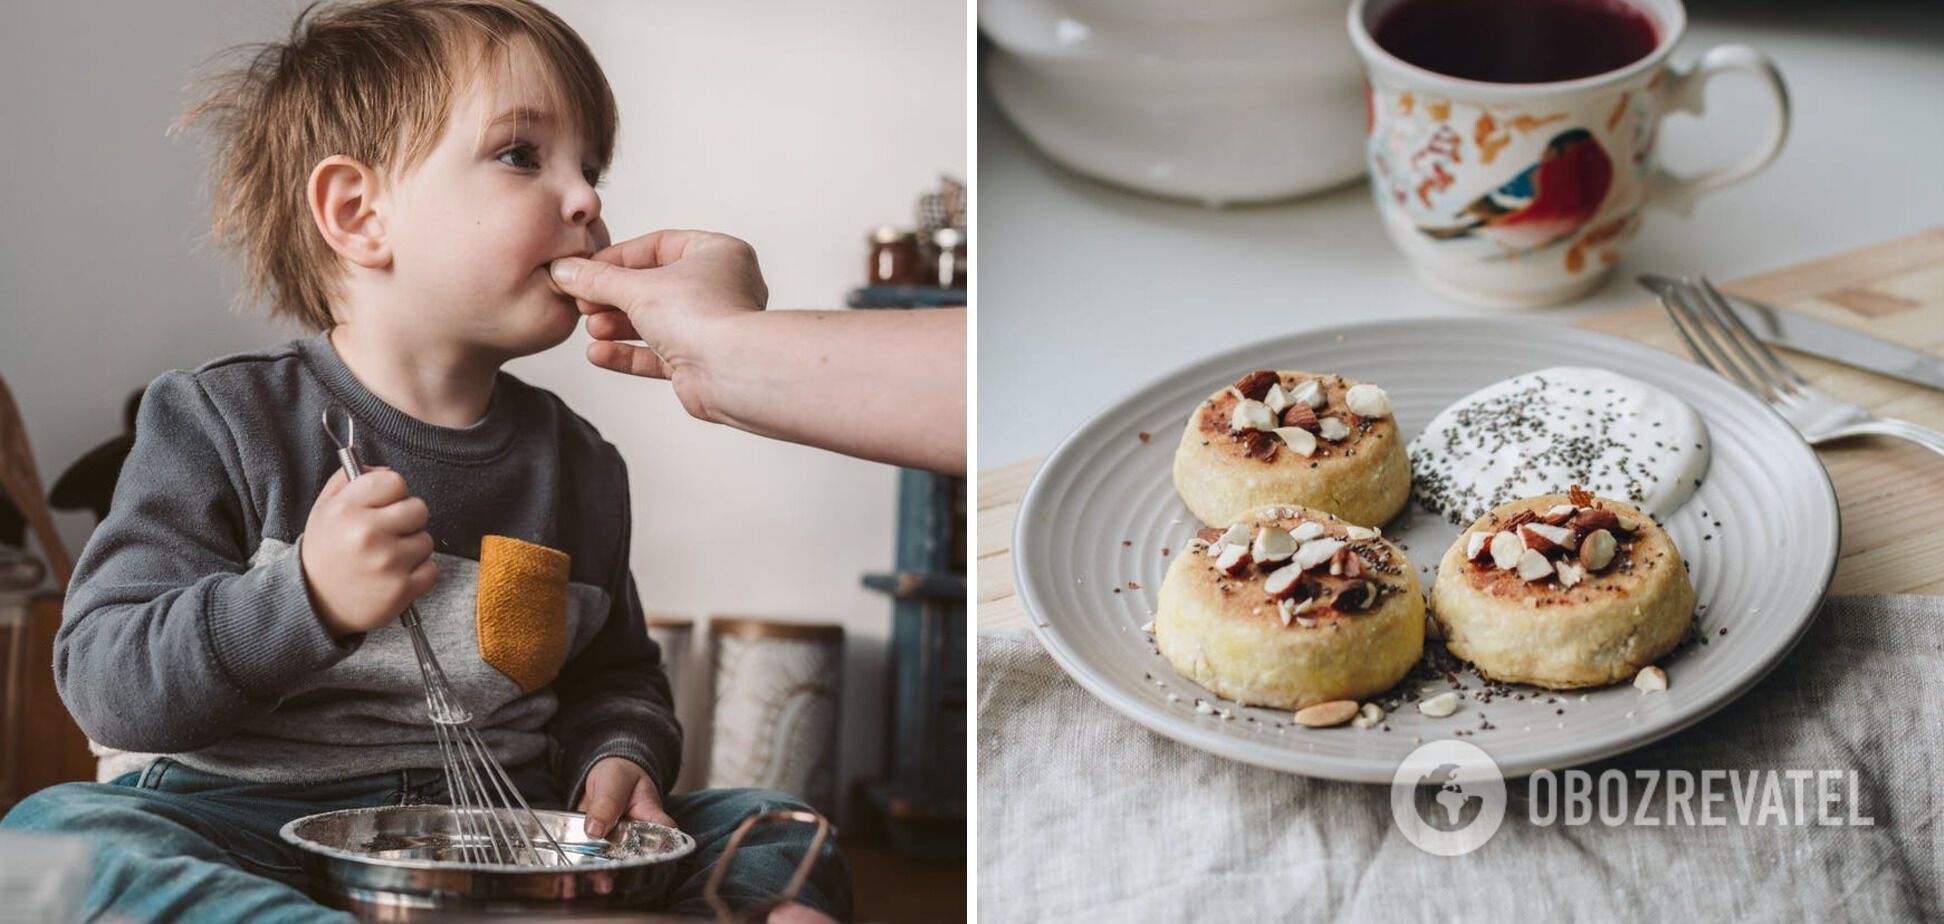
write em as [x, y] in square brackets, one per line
[522, 610]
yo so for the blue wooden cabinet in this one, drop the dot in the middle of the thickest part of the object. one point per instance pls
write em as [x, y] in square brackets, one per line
[919, 802]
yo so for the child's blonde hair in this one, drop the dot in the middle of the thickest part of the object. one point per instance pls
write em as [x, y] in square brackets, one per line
[373, 80]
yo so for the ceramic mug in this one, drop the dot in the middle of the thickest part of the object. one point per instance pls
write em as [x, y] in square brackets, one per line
[1523, 194]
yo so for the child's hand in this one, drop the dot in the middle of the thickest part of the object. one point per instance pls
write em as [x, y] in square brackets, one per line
[366, 554]
[615, 784]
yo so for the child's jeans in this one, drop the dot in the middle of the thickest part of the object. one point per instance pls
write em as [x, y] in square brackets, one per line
[174, 843]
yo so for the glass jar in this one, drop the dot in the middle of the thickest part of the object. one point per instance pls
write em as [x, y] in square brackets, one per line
[895, 260]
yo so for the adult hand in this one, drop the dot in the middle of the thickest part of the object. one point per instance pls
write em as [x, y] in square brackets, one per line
[663, 289]
[882, 385]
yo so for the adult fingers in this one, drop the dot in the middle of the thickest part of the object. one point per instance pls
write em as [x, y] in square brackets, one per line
[656, 248]
[597, 282]
[612, 325]
[626, 357]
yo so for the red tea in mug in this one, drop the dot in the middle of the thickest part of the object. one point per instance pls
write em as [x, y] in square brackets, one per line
[1517, 41]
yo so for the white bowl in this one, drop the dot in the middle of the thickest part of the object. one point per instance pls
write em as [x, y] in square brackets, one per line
[1214, 146]
[1226, 102]
[1272, 30]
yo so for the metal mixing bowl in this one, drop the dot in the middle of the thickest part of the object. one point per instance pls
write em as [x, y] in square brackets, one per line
[391, 863]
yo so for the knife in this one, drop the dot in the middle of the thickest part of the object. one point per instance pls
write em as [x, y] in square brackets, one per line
[1826, 339]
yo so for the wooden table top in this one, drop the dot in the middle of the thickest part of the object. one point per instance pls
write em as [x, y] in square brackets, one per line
[1891, 493]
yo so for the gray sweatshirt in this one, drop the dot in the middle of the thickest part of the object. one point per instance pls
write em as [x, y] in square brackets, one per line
[189, 628]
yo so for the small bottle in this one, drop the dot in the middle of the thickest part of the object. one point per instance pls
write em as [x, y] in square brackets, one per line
[894, 258]
[949, 245]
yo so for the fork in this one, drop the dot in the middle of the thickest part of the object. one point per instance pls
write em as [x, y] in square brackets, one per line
[1703, 318]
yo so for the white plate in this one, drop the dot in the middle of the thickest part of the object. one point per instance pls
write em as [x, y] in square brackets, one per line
[1760, 574]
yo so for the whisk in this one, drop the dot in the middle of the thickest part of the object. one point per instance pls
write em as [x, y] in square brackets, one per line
[487, 829]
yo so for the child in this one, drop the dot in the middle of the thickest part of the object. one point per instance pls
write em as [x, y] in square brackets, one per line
[398, 175]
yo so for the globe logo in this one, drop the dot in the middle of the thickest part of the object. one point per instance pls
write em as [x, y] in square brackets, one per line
[1442, 801]
[1448, 797]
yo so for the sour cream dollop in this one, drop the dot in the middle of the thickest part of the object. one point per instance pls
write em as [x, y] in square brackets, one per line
[1541, 432]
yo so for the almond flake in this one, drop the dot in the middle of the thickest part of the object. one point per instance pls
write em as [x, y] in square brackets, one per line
[1440, 705]
[1310, 392]
[1293, 608]
[1546, 538]
[1592, 518]
[1651, 679]
[1506, 550]
[1251, 415]
[1307, 531]
[1257, 384]
[1332, 429]
[1475, 544]
[1534, 566]
[1596, 550]
[1299, 415]
[1361, 533]
[1326, 715]
[1569, 574]
[1234, 560]
[1258, 444]
[1300, 441]
[1316, 552]
[1347, 563]
[1272, 545]
[1277, 398]
[1367, 400]
[1281, 583]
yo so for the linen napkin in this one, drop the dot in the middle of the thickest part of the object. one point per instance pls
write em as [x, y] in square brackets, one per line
[1087, 816]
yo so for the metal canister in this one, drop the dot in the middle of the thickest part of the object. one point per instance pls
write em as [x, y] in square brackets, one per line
[688, 679]
[777, 692]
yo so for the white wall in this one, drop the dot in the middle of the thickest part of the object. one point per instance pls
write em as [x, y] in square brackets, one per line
[795, 126]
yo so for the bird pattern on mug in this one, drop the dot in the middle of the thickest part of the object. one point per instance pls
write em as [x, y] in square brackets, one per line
[1545, 202]
[1574, 196]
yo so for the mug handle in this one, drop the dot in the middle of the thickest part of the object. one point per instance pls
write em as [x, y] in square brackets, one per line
[1683, 93]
